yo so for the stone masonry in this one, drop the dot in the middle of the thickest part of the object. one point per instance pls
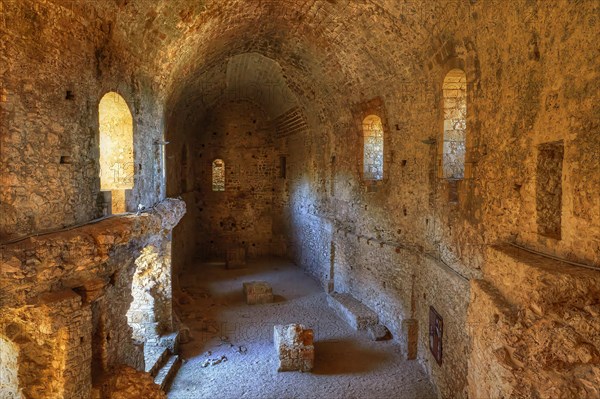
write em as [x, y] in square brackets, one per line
[294, 346]
[65, 295]
[278, 90]
[258, 292]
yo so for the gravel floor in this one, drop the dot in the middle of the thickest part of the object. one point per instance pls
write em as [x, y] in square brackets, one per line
[347, 363]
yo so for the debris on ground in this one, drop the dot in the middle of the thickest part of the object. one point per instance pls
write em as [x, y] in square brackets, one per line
[214, 362]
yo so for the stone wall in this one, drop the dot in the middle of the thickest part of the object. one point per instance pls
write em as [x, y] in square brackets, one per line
[53, 340]
[151, 312]
[244, 119]
[312, 66]
[9, 380]
[521, 92]
[65, 296]
[58, 60]
[533, 324]
[241, 215]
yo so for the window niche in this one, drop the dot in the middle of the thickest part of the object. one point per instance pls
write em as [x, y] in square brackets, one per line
[184, 169]
[372, 148]
[549, 188]
[453, 146]
[282, 167]
[116, 149]
[218, 175]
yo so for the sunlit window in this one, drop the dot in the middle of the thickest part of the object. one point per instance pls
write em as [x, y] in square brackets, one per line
[372, 148]
[455, 124]
[116, 148]
[218, 175]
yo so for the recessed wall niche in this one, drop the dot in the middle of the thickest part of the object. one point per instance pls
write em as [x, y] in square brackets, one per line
[549, 189]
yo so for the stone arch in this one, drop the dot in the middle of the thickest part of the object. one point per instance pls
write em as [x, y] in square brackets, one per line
[116, 148]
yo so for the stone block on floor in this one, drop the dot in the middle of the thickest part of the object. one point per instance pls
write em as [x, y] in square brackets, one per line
[236, 258]
[379, 332]
[294, 346]
[357, 315]
[258, 292]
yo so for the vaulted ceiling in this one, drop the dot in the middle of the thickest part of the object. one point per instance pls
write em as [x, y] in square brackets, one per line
[320, 45]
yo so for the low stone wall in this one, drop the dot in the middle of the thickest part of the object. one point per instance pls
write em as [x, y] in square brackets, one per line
[64, 298]
[534, 326]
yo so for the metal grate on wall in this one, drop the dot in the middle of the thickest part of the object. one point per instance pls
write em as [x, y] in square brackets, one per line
[290, 122]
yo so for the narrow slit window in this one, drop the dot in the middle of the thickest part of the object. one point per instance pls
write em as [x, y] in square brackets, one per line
[282, 166]
[184, 168]
[549, 189]
[455, 124]
[372, 148]
[218, 175]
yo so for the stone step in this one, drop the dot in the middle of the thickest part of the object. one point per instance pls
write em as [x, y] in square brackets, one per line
[170, 341]
[167, 372]
[156, 356]
[357, 315]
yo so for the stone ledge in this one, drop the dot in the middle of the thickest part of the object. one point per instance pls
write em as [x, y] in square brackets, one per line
[32, 266]
[527, 279]
[534, 326]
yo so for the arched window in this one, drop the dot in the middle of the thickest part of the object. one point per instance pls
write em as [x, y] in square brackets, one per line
[372, 148]
[9, 383]
[218, 175]
[455, 124]
[116, 148]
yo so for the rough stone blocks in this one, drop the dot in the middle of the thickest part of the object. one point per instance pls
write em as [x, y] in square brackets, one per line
[294, 346]
[258, 292]
[236, 258]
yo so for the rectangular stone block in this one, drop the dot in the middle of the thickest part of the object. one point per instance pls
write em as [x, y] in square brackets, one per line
[258, 292]
[294, 346]
[357, 315]
[236, 258]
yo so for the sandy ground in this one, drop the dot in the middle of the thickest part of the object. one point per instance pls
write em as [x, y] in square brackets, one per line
[347, 363]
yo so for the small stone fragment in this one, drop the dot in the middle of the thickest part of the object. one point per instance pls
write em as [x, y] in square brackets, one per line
[379, 332]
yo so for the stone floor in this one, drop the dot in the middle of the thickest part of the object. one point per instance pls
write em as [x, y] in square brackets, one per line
[232, 354]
